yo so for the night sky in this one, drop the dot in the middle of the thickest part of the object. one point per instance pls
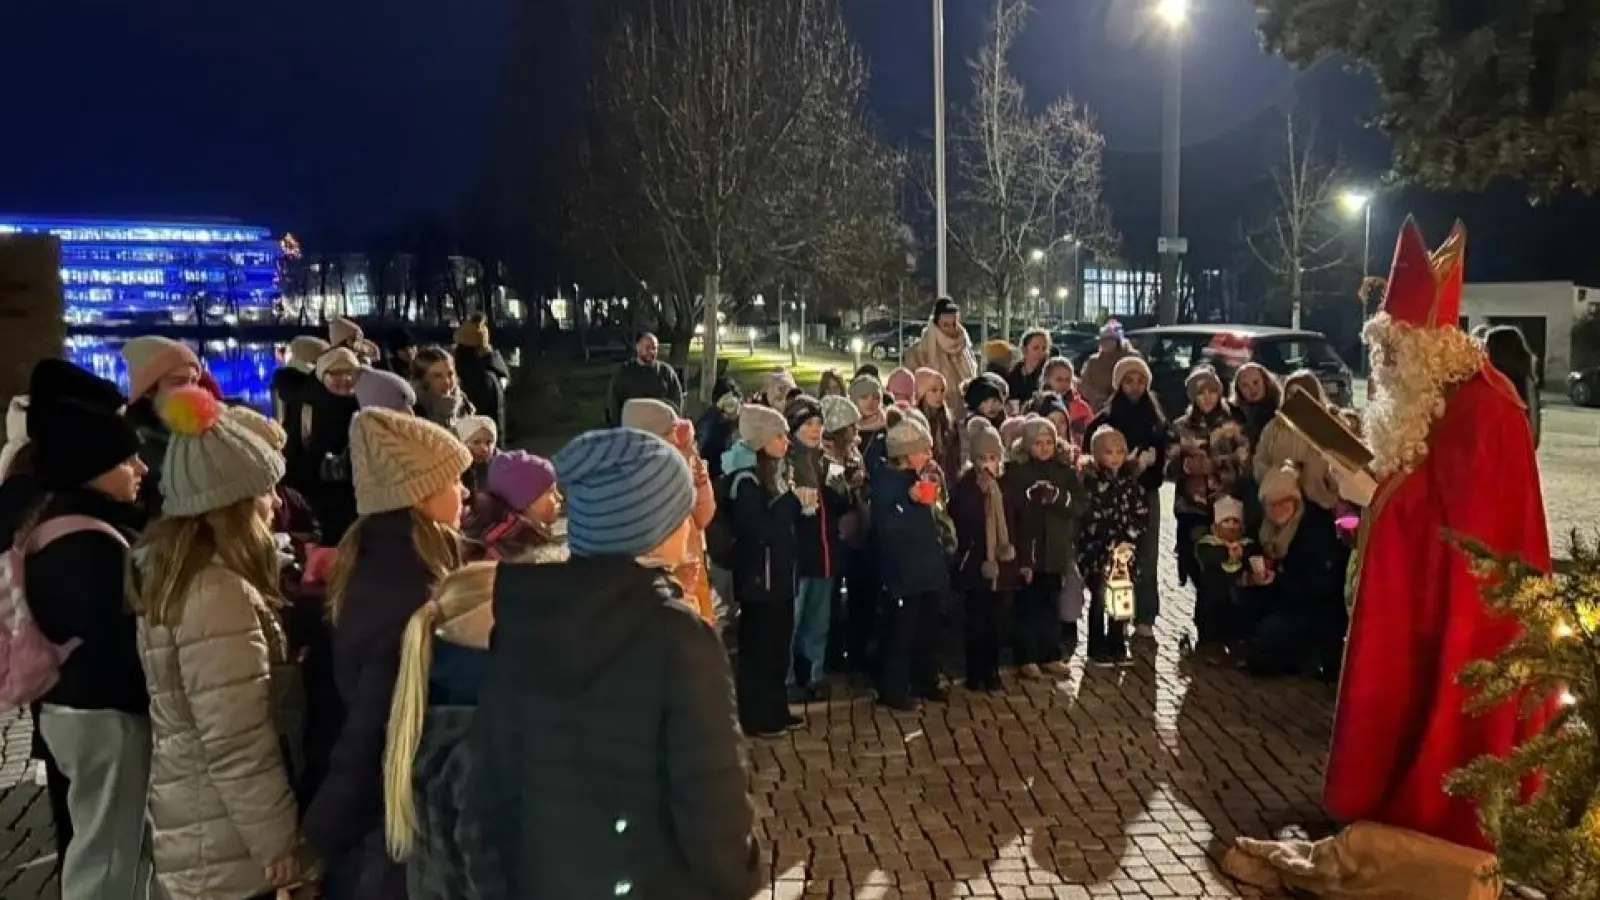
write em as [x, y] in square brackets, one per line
[349, 117]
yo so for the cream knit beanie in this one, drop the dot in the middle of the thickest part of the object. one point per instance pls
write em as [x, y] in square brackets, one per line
[339, 359]
[151, 358]
[468, 427]
[213, 461]
[399, 461]
[260, 426]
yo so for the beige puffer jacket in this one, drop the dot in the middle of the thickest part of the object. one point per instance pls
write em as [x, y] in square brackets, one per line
[220, 803]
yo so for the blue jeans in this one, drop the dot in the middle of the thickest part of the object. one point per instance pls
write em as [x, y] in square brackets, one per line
[813, 609]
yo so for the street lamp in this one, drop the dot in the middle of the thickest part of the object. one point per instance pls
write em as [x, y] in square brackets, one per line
[751, 334]
[1361, 202]
[794, 348]
[856, 346]
[1037, 255]
[1174, 14]
[940, 206]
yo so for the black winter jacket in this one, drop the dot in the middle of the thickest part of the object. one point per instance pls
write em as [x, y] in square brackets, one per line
[910, 552]
[388, 584]
[1143, 427]
[650, 381]
[766, 551]
[483, 375]
[75, 589]
[606, 755]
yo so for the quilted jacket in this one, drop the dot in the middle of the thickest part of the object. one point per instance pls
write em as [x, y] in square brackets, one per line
[220, 689]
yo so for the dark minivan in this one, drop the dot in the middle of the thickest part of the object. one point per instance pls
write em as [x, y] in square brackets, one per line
[1174, 350]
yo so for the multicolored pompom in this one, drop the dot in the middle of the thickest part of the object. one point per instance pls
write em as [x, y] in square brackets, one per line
[190, 410]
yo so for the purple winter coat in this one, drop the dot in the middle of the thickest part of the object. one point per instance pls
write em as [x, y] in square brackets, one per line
[1023, 524]
[344, 823]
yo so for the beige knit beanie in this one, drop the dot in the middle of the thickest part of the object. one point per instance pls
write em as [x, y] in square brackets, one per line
[398, 461]
[213, 461]
[260, 426]
[305, 350]
[653, 416]
[339, 359]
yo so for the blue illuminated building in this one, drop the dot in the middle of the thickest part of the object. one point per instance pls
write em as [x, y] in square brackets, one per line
[121, 270]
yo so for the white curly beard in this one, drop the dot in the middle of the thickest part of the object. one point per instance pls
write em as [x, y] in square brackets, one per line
[1413, 371]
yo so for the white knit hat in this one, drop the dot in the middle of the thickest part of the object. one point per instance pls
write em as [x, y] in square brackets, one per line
[212, 461]
[468, 427]
[337, 359]
[398, 461]
[838, 413]
[1227, 508]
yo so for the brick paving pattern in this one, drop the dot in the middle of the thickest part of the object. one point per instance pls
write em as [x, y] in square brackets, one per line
[1107, 783]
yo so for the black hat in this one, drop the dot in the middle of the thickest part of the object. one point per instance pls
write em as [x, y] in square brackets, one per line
[724, 386]
[75, 442]
[999, 382]
[801, 410]
[56, 380]
[980, 389]
[1047, 403]
[944, 306]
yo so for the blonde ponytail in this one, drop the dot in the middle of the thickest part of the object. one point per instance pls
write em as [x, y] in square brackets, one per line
[460, 593]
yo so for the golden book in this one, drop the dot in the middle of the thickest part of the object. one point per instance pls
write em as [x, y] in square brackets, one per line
[1326, 431]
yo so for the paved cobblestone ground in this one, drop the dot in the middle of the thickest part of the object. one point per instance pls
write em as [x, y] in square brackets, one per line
[1108, 783]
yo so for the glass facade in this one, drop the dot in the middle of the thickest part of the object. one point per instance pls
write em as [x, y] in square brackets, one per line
[115, 270]
[242, 369]
[1108, 293]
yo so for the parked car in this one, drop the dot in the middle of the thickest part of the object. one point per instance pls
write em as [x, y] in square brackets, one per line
[1174, 350]
[889, 345]
[1583, 386]
[1071, 343]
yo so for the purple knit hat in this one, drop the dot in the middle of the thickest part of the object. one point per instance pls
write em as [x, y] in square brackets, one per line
[519, 478]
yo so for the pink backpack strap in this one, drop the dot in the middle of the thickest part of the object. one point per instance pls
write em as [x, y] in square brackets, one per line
[52, 530]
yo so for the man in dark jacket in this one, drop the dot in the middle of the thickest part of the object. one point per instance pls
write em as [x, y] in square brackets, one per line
[645, 376]
[607, 761]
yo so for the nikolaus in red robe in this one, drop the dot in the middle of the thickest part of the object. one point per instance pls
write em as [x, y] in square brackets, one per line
[1400, 728]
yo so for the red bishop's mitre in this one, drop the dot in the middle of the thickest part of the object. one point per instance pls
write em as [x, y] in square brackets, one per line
[1424, 289]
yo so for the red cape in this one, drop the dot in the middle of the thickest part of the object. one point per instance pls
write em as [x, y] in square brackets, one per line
[1400, 728]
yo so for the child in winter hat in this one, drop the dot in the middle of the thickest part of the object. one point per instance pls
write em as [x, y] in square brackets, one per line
[658, 418]
[626, 492]
[378, 387]
[480, 435]
[151, 360]
[1130, 365]
[838, 413]
[336, 361]
[761, 425]
[775, 387]
[213, 460]
[806, 458]
[902, 386]
[400, 461]
[516, 507]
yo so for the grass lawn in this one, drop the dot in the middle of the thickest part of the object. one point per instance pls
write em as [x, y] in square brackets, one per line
[575, 401]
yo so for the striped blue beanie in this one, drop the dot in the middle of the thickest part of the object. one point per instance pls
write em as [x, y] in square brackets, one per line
[626, 491]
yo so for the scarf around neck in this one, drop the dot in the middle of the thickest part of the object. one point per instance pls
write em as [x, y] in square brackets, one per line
[995, 534]
[1277, 538]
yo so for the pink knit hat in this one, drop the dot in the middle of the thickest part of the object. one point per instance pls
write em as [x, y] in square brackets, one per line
[901, 383]
[927, 379]
[151, 359]
[1011, 429]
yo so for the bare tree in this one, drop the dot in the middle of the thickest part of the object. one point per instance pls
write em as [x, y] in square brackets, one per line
[727, 147]
[1304, 233]
[1023, 179]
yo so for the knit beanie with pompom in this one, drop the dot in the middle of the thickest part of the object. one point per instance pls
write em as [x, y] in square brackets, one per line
[983, 439]
[907, 434]
[260, 426]
[212, 461]
[398, 461]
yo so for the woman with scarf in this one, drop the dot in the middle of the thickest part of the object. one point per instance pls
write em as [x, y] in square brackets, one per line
[946, 348]
[1255, 399]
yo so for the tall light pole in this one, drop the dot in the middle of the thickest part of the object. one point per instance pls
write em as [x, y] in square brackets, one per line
[1174, 14]
[1361, 202]
[941, 213]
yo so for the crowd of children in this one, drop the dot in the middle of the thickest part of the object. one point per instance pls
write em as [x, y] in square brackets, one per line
[258, 645]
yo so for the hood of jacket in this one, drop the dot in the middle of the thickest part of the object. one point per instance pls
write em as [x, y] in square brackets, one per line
[570, 621]
[738, 458]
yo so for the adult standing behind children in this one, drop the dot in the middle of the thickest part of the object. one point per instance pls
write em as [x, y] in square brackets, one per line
[482, 370]
[946, 348]
[644, 376]
[606, 762]
[224, 699]
[407, 475]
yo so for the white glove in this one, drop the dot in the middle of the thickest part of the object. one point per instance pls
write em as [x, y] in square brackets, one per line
[1355, 485]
